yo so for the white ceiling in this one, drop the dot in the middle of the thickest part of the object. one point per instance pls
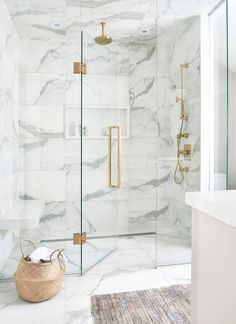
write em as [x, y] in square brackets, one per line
[34, 18]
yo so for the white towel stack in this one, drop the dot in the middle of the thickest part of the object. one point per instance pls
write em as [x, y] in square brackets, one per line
[43, 254]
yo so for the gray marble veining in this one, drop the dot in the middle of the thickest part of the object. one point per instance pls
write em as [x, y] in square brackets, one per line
[38, 132]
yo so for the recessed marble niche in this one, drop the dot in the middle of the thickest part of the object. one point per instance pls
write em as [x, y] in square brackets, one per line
[105, 103]
[96, 122]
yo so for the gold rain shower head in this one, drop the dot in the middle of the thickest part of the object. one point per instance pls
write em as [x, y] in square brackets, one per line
[103, 39]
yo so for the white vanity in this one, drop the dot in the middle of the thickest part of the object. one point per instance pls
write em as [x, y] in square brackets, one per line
[213, 257]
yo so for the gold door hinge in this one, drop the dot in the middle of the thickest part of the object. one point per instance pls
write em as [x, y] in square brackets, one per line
[80, 68]
[79, 238]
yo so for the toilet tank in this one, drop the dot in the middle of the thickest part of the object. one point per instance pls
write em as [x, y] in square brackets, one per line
[219, 181]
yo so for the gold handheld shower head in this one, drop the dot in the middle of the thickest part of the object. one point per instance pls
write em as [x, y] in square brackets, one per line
[103, 39]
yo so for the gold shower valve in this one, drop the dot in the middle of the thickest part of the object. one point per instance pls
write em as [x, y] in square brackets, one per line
[186, 152]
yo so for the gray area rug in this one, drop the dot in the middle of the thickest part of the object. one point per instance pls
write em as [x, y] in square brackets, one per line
[167, 305]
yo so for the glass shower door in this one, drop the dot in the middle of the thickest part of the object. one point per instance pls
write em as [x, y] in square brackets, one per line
[102, 127]
[222, 86]
[231, 98]
[219, 97]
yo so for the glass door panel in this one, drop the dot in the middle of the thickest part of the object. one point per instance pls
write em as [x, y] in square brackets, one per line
[178, 159]
[50, 182]
[63, 214]
[219, 98]
[231, 94]
[103, 125]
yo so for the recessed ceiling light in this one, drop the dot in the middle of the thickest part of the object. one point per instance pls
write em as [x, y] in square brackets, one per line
[144, 31]
[57, 25]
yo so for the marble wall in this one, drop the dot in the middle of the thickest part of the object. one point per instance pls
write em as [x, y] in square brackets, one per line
[127, 74]
[176, 222]
[126, 79]
[123, 75]
[187, 49]
[9, 149]
[43, 87]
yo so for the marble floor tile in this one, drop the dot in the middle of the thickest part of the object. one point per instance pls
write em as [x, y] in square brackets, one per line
[126, 269]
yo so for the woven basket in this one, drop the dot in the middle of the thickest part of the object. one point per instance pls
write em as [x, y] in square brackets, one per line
[37, 282]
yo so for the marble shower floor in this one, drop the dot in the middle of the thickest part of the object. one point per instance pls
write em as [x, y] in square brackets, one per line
[144, 250]
[126, 269]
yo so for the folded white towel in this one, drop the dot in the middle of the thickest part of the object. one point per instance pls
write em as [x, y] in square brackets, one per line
[43, 254]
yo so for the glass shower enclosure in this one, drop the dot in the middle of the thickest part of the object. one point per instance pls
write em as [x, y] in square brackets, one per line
[99, 135]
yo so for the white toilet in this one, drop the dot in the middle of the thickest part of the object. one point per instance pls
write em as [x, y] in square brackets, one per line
[219, 181]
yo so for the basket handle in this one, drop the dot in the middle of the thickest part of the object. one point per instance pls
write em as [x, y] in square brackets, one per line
[21, 246]
[59, 257]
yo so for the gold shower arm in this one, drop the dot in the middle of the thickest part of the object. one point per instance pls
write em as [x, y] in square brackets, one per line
[103, 27]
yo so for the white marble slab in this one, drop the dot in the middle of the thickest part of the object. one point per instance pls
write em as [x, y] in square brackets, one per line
[217, 204]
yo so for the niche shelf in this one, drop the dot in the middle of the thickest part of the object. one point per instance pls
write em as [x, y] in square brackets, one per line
[96, 121]
[25, 214]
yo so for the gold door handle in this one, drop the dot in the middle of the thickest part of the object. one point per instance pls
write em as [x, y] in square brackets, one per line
[110, 184]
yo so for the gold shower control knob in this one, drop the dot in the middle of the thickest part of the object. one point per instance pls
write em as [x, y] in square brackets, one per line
[178, 99]
[185, 169]
[185, 135]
